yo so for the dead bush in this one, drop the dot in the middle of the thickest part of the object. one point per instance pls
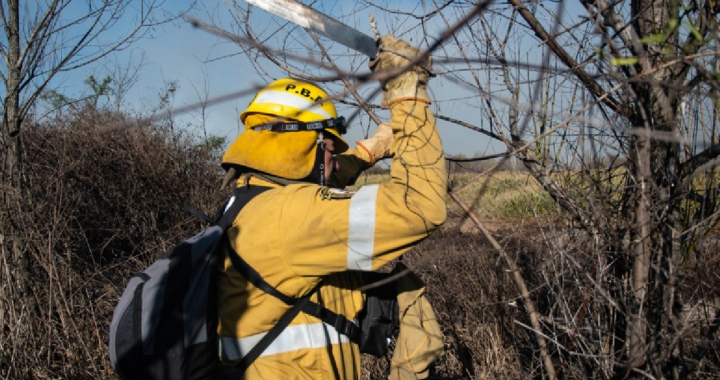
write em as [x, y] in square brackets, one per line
[485, 324]
[99, 206]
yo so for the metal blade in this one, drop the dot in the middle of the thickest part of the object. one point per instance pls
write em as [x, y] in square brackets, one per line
[315, 21]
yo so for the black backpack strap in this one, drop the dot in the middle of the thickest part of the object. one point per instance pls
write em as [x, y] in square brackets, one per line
[244, 194]
[260, 347]
[255, 278]
[240, 198]
[339, 322]
[189, 208]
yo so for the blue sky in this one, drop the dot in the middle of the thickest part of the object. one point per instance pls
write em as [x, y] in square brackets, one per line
[190, 57]
[193, 59]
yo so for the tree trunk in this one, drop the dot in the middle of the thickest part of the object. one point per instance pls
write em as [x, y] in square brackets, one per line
[11, 119]
[12, 179]
[640, 252]
[655, 168]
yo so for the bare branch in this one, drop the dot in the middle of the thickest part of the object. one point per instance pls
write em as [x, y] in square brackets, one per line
[584, 77]
[699, 159]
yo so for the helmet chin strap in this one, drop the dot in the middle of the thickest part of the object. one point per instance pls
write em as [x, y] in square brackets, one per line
[320, 158]
[338, 124]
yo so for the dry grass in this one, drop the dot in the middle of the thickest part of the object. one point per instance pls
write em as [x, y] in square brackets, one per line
[503, 196]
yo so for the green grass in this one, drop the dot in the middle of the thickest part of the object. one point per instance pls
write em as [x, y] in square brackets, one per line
[503, 195]
[500, 196]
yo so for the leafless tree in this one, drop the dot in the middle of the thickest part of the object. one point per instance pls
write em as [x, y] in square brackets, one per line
[40, 41]
[43, 39]
[612, 108]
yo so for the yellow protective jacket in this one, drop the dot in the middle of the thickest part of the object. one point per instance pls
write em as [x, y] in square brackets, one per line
[300, 235]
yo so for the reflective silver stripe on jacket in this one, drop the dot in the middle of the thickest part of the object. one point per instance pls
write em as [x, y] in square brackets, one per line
[361, 228]
[293, 338]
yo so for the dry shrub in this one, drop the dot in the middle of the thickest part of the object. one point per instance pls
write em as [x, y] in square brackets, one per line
[485, 323]
[99, 206]
[473, 297]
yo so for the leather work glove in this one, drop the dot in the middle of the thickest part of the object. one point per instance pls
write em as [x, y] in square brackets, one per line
[379, 146]
[411, 84]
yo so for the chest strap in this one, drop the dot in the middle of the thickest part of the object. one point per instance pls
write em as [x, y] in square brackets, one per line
[339, 322]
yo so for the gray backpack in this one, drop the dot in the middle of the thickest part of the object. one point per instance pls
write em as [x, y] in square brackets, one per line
[165, 325]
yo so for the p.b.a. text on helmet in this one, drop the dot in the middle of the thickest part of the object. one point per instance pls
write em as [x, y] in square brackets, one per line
[304, 92]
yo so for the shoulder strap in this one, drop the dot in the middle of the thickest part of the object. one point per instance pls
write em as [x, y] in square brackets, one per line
[189, 208]
[232, 207]
[338, 321]
[255, 278]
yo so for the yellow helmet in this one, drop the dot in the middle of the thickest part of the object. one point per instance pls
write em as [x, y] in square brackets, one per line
[291, 155]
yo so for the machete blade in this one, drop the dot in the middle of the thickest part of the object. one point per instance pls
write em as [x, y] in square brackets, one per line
[315, 21]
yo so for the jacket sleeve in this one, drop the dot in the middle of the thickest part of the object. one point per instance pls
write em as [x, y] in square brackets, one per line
[351, 164]
[380, 222]
[420, 341]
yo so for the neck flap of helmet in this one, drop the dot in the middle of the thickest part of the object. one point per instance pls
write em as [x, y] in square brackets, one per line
[338, 124]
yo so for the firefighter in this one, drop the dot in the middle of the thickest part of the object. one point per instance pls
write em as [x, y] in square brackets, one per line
[301, 234]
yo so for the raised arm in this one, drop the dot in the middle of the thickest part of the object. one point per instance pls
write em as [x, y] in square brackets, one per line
[379, 222]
